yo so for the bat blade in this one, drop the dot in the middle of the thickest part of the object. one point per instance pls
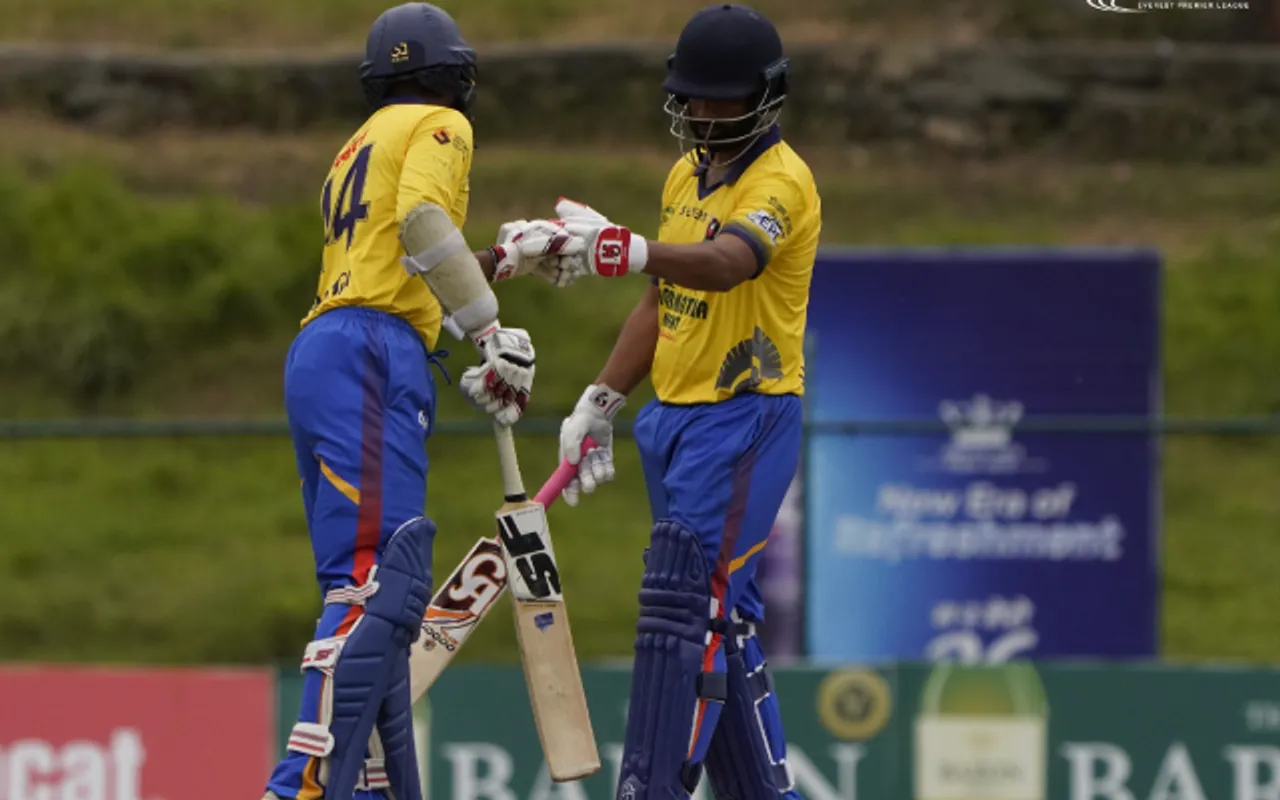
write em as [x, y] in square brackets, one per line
[457, 609]
[552, 676]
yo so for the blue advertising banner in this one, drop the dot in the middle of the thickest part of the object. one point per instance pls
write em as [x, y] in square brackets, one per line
[976, 542]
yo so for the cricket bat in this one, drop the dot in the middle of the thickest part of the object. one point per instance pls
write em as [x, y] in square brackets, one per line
[467, 597]
[542, 627]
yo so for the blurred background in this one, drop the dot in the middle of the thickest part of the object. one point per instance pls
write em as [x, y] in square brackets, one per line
[1063, 452]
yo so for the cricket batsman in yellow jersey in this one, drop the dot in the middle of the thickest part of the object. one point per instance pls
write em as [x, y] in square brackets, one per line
[361, 399]
[720, 331]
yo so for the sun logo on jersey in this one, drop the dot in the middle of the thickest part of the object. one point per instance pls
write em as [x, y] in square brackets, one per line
[749, 363]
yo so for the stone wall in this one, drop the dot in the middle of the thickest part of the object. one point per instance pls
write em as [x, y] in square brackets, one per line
[1096, 100]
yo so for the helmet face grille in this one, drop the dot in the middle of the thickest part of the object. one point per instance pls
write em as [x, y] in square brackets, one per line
[721, 134]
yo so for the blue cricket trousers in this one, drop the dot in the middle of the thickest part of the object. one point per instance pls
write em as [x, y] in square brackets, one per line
[361, 402]
[722, 470]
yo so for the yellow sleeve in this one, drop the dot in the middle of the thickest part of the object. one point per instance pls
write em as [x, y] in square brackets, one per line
[768, 209]
[437, 165]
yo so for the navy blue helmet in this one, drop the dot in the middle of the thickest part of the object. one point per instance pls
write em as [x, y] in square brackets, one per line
[726, 52]
[421, 44]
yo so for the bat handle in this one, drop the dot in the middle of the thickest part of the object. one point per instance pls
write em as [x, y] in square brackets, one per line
[512, 483]
[564, 474]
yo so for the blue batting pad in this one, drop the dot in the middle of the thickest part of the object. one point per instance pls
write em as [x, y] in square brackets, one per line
[375, 656]
[668, 679]
[747, 757]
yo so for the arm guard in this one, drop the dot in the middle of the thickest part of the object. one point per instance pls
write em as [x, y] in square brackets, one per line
[437, 251]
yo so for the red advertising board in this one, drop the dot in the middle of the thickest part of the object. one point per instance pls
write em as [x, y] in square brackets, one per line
[134, 734]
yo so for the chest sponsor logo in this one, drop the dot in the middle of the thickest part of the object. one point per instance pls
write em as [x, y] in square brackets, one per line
[749, 363]
[677, 306]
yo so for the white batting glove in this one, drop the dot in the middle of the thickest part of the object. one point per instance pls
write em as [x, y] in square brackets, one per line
[591, 248]
[559, 256]
[592, 416]
[502, 383]
[528, 247]
[609, 250]
[573, 211]
[571, 261]
[538, 243]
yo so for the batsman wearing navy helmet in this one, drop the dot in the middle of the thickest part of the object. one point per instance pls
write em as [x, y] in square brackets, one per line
[720, 332]
[361, 398]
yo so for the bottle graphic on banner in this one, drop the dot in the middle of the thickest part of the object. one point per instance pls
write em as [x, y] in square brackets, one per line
[981, 733]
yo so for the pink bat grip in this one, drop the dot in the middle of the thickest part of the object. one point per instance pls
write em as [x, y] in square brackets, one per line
[559, 479]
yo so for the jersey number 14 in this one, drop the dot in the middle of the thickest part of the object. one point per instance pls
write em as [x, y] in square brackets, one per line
[341, 217]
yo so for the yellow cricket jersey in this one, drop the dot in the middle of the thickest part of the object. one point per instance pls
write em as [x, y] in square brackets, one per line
[714, 345]
[405, 154]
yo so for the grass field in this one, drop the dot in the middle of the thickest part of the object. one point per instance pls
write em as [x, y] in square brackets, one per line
[195, 550]
[312, 24]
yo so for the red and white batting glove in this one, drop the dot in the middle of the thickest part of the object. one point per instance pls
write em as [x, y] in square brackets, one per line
[609, 250]
[584, 243]
[529, 248]
[502, 383]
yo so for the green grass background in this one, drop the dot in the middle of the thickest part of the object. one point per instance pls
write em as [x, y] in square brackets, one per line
[170, 285]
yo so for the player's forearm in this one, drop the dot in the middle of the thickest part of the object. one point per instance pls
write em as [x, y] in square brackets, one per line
[632, 355]
[487, 266]
[717, 265]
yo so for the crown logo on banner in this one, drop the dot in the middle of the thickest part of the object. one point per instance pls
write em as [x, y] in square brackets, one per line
[982, 440]
[980, 423]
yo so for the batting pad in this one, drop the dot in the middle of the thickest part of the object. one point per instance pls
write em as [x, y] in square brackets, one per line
[670, 677]
[741, 762]
[395, 730]
[371, 675]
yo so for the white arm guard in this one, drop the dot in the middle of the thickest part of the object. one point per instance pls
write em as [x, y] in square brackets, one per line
[452, 327]
[437, 251]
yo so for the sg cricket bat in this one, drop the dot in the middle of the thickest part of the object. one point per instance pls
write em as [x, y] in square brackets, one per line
[455, 611]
